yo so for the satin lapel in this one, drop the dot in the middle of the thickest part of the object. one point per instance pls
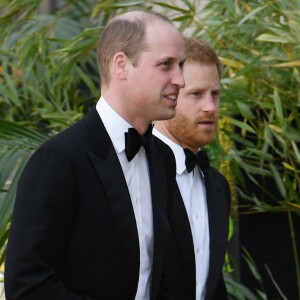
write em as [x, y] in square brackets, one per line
[109, 170]
[184, 240]
[161, 227]
[217, 215]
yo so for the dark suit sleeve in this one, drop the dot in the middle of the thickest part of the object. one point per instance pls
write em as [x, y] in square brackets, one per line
[170, 165]
[228, 194]
[163, 291]
[41, 227]
[180, 286]
[221, 291]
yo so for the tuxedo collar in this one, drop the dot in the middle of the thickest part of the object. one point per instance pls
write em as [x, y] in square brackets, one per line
[114, 124]
[177, 150]
[183, 235]
[184, 240]
[108, 168]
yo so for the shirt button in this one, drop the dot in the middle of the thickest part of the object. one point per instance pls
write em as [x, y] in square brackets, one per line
[198, 250]
[197, 216]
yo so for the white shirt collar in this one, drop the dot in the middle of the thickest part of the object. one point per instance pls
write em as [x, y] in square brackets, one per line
[177, 150]
[114, 124]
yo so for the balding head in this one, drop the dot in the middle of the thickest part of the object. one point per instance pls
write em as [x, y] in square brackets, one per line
[124, 33]
[146, 16]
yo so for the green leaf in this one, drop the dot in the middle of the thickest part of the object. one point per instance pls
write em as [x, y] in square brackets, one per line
[9, 86]
[248, 167]
[87, 80]
[10, 130]
[16, 163]
[245, 110]
[240, 124]
[172, 7]
[251, 14]
[278, 106]
[279, 182]
[182, 18]
[238, 289]
[261, 154]
[240, 139]
[268, 137]
[231, 228]
[292, 133]
[251, 265]
[296, 151]
[272, 38]
[230, 6]
[290, 64]
[262, 295]
[120, 4]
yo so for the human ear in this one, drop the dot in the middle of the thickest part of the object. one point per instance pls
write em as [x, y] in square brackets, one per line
[119, 65]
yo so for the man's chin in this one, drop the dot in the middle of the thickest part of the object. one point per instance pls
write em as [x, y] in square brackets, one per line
[204, 140]
[168, 115]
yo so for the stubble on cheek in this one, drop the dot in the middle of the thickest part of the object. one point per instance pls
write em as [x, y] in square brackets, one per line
[189, 133]
[183, 130]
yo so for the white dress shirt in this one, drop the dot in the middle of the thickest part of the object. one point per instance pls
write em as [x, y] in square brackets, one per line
[193, 194]
[136, 173]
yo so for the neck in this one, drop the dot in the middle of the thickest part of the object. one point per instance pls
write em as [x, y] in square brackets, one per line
[163, 129]
[122, 108]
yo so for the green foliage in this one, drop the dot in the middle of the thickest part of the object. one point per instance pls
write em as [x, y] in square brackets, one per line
[16, 144]
[258, 43]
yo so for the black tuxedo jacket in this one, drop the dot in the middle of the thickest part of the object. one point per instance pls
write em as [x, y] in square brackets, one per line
[180, 264]
[73, 234]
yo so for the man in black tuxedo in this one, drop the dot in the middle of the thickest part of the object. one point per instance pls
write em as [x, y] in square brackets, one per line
[90, 217]
[201, 204]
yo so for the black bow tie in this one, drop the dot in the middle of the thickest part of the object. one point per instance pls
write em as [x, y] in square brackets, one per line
[192, 159]
[134, 141]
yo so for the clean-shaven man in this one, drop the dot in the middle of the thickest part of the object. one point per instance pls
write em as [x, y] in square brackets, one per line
[90, 217]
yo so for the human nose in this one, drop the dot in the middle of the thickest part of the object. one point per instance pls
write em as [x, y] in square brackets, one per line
[178, 78]
[210, 104]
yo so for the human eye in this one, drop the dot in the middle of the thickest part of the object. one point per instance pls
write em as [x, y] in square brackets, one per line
[181, 64]
[215, 93]
[196, 93]
[166, 63]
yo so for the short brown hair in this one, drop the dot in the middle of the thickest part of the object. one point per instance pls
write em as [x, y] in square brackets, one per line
[201, 52]
[124, 33]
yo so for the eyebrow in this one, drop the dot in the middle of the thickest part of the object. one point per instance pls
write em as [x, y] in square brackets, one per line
[201, 89]
[171, 58]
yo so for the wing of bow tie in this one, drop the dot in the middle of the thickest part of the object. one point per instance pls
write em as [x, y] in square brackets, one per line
[134, 141]
[192, 159]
